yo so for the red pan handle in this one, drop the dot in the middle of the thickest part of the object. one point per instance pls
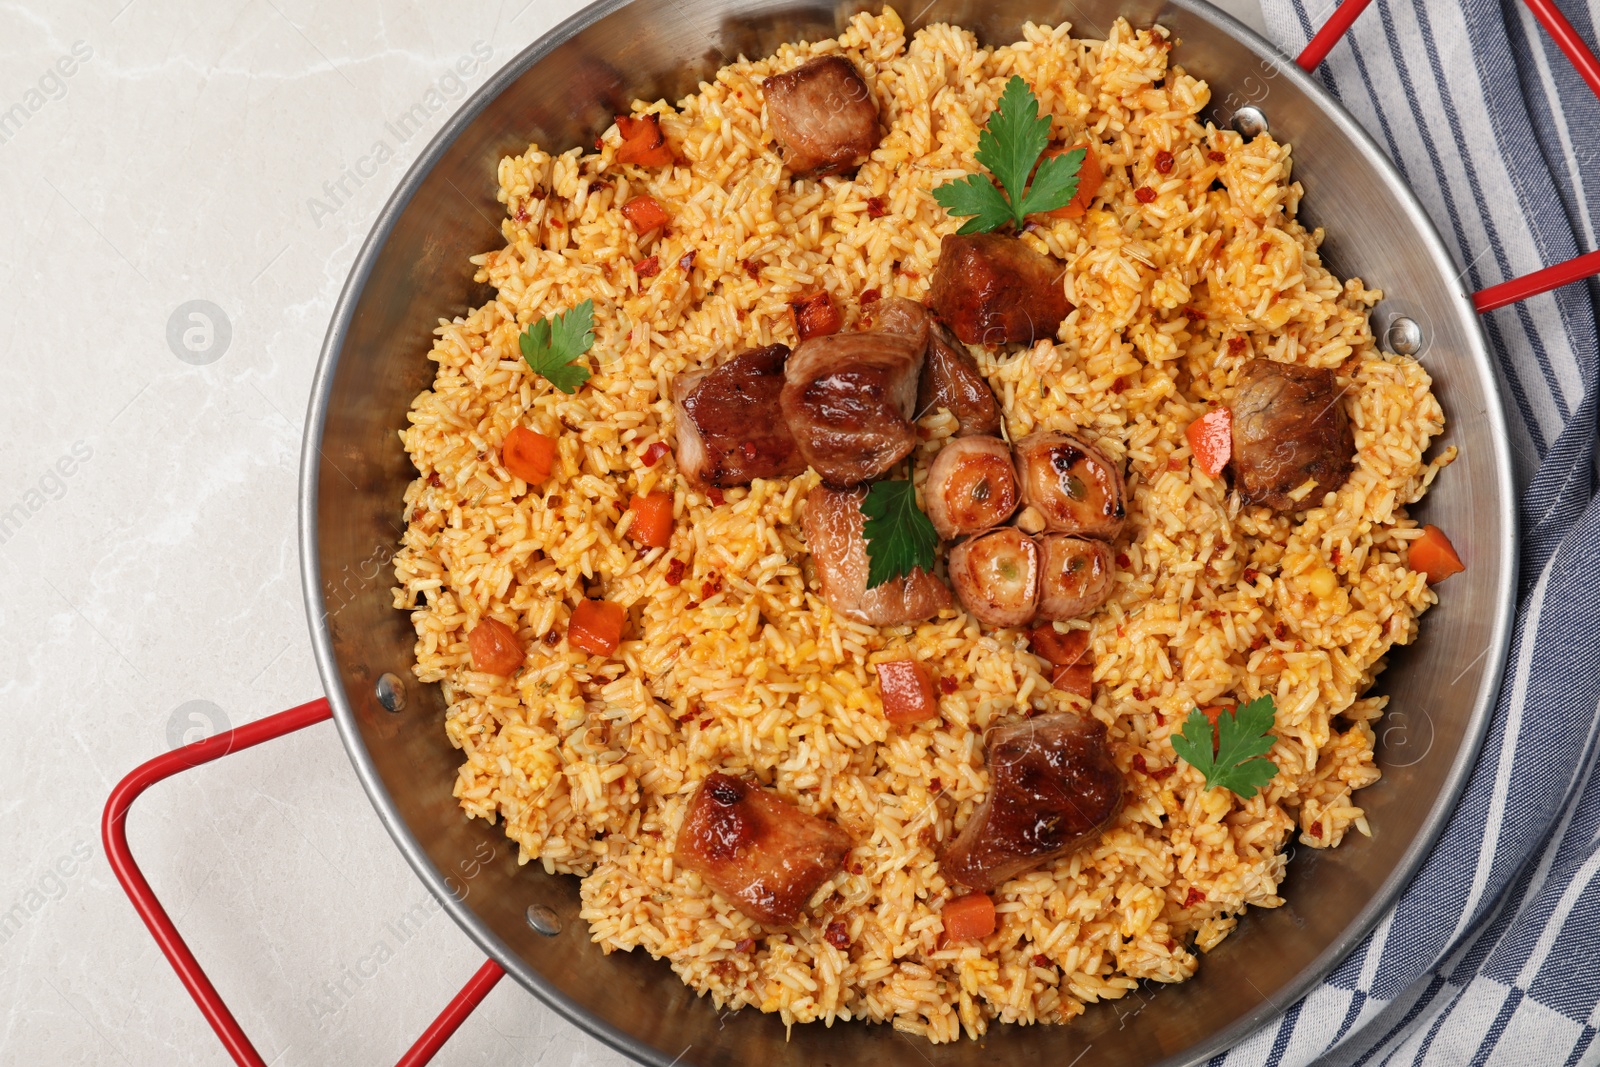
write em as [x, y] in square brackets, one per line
[115, 833]
[1582, 57]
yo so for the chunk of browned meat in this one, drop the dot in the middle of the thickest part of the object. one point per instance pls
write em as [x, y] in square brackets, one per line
[992, 289]
[832, 526]
[951, 380]
[730, 428]
[1075, 576]
[1072, 484]
[971, 486]
[1052, 787]
[896, 314]
[824, 116]
[1289, 428]
[757, 849]
[996, 576]
[848, 399]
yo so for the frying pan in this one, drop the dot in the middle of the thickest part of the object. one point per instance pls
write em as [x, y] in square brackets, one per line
[413, 269]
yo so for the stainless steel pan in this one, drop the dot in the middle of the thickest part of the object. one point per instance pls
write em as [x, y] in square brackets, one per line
[413, 268]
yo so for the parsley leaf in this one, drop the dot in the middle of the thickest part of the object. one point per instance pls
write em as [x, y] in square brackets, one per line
[899, 536]
[975, 195]
[1054, 184]
[1231, 754]
[1009, 146]
[1013, 138]
[552, 346]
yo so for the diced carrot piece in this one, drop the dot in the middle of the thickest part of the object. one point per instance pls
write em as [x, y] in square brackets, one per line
[1434, 555]
[596, 627]
[528, 454]
[1064, 652]
[643, 142]
[1213, 712]
[1211, 440]
[645, 213]
[652, 519]
[1089, 178]
[494, 647]
[1078, 679]
[969, 918]
[908, 695]
[815, 315]
[1058, 649]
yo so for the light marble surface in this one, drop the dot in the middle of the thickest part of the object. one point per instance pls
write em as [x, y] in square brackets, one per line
[155, 153]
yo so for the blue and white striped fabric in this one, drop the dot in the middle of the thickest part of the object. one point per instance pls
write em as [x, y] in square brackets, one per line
[1492, 956]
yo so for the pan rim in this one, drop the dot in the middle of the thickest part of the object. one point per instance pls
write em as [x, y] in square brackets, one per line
[1402, 874]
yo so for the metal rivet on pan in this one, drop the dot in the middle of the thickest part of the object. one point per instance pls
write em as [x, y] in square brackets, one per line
[391, 692]
[1249, 121]
[543, 920]
[1403, 336]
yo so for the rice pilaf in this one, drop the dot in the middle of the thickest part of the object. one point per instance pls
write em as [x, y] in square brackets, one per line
[739, 666]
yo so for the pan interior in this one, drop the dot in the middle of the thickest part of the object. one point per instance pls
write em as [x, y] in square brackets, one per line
[414, 269]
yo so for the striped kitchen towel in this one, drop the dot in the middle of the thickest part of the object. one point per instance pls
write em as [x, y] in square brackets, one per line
[1492, 956]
